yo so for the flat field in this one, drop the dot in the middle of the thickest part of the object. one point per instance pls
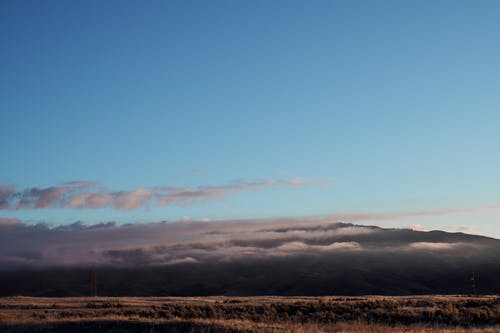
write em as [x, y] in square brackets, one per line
[437, 313]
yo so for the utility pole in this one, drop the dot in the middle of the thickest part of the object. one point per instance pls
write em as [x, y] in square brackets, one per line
[473, 283]
[92, 283]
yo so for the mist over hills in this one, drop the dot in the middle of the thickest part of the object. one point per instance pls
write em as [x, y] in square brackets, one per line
[279, 257]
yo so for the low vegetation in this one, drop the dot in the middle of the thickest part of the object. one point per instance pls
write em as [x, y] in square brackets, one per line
[251, 314]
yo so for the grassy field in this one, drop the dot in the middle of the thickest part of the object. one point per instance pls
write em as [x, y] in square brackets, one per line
[251, 314]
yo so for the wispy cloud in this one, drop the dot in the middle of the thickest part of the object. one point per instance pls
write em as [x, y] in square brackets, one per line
[373, 216]
[465, 228]
[88, 194]
[8, 221]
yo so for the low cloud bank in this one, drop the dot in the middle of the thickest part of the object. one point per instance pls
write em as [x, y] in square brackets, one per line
[172, 243]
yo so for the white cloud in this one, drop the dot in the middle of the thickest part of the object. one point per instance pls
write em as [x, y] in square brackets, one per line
[434, 246]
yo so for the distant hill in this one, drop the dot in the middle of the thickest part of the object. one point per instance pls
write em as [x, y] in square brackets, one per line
[334, 259]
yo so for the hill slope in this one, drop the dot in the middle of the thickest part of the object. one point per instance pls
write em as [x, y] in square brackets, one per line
[323, 259]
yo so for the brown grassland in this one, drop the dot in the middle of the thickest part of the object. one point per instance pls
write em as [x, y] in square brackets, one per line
[252, 314]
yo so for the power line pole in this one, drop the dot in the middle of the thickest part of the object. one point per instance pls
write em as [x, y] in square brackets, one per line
[92, 283]
[473, 283]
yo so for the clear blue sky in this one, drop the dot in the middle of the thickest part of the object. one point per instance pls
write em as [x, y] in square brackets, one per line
[379, 105]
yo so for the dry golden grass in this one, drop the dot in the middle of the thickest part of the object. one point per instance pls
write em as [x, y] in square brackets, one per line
[374, 314]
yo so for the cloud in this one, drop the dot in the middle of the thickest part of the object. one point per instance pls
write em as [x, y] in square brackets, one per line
[196, 242]
[341, 246]
[297, 181]
[293, 246]
[90, 195]
[465, 228]
[418, 227]
[301, 247]
[6, 192]
[186, 260]
[373, 216]
[83, 183]
[434, 246]
[8, 221]
[41, 197]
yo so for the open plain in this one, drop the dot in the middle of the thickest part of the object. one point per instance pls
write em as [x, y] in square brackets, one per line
[251, 314]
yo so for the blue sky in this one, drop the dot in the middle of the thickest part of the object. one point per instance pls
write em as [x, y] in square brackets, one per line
[376, 106]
